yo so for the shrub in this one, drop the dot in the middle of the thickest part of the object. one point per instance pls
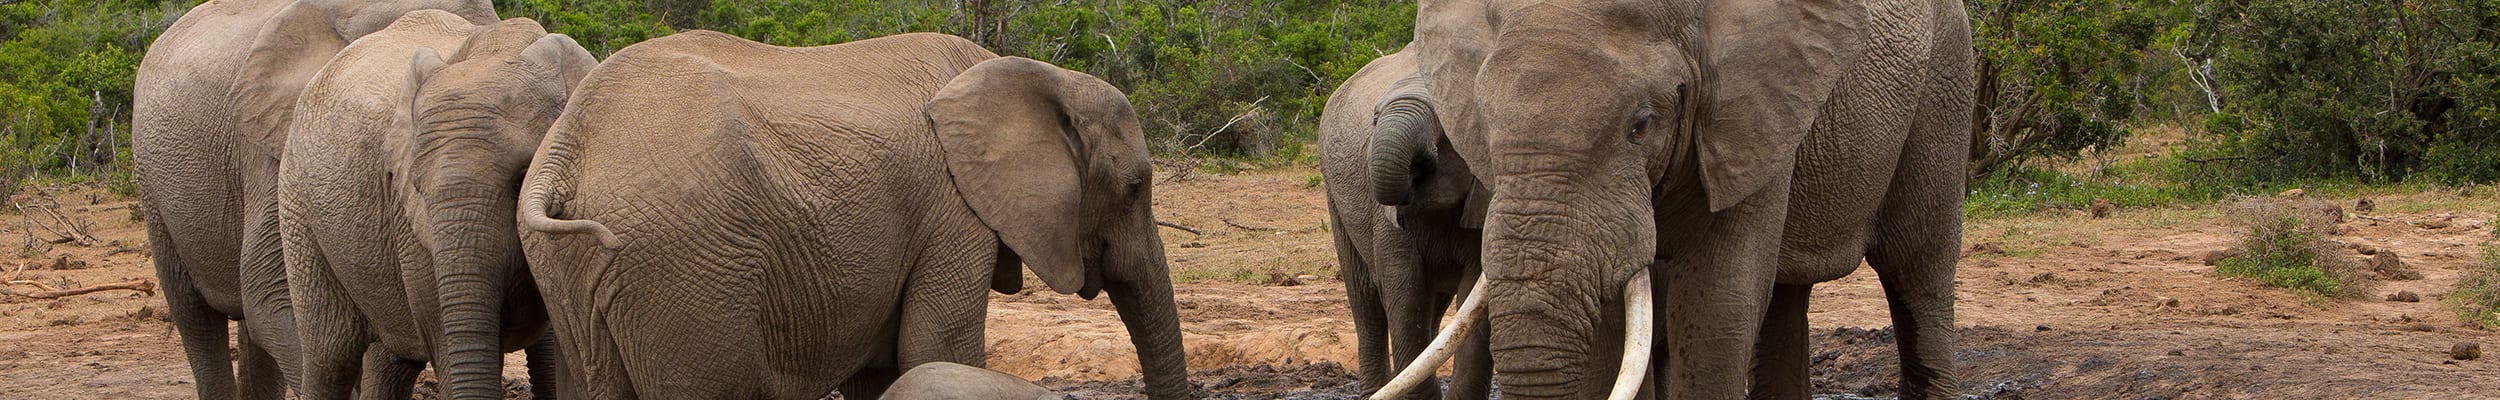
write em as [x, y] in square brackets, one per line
[2477, 297]
[2286, 248]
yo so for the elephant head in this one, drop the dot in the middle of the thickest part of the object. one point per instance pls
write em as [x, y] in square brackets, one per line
[1592, 120]
[1413, 166]
[1054, 162]
[301, 38]
[473, 121]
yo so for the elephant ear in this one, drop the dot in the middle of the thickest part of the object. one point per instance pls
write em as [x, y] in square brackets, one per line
[294, 46]
[1769, 68]
[1008, 130]
[1478, 197]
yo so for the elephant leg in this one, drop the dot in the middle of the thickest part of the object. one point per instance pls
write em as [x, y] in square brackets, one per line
[1371, 324]
[869, 383]
[1413, 319]
[546, 369]
[1921, 225]
[1779, 370]
[332, 335]
[203, 329]
[267, 307]
[1718, 296]
[385, 377]
[1917, 274]
[1471, 375]
[256, 371]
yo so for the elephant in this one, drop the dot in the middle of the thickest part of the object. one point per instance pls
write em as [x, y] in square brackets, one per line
[1401, 264]
[1739, 151]
[950, 381]
[210, 102]
[715, 217]
[401, 171]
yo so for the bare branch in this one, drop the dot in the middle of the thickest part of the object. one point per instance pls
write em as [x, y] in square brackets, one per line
[140, 285]
[1183, 228]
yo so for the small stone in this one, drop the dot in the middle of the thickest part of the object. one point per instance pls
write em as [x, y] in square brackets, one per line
[2466, 351]
[2295, 192]
[2406, 296]
[2040, 328]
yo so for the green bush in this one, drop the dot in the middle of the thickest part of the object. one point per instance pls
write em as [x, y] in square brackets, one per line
[2285, 248]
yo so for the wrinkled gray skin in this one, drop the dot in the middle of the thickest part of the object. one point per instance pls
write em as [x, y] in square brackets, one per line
[396, 193]
[714, 217]
[1403, 265]
[1741, 150]
[210, 104]
[951, 381]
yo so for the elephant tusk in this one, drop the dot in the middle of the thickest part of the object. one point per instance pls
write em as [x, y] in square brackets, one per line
[1470, 312]
[1637, 339]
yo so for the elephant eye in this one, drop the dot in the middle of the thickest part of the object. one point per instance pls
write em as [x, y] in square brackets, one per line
[1640, 124]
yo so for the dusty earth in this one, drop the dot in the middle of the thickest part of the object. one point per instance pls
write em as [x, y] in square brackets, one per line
[2052, 305]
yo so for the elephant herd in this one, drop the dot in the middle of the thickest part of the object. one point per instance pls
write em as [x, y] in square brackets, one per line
[374, 186]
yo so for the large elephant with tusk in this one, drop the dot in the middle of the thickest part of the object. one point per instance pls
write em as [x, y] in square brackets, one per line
[1739, 151]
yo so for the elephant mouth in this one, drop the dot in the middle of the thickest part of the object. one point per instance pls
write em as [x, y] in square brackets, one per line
[1638, 341]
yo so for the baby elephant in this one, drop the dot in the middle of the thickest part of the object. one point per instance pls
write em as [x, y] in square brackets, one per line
[718, 218]
[395, 203]
[951, 381]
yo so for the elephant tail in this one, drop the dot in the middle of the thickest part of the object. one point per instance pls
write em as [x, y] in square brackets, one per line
[550, 186]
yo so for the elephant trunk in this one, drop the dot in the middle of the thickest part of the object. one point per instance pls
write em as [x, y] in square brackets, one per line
[1559, 245]
[1403, 135]
[1142, 292]
[476, 259]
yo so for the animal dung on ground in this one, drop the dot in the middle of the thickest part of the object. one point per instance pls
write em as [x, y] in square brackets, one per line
[2442, 223]
[2387, 266]
[1987, 248]
[2405, 296]
[2466, 351]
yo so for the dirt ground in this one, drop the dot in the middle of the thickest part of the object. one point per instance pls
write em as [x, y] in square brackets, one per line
[2052, 305]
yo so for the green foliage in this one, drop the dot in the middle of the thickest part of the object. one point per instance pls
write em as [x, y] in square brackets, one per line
[2377, 91]
[2477, 297]
[65, 78]
[2286, 248]
[2056, 78]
